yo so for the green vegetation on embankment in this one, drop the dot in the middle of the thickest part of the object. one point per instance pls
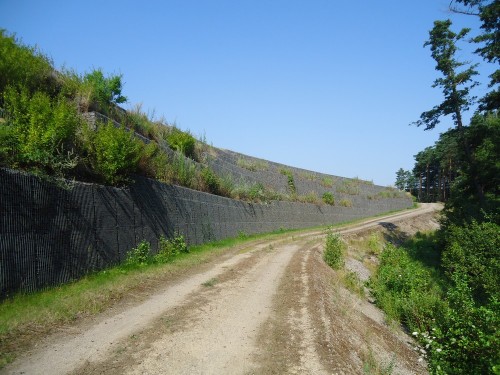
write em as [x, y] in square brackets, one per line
[65, 124]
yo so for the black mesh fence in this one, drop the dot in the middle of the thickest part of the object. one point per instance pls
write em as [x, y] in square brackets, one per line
[51, 234]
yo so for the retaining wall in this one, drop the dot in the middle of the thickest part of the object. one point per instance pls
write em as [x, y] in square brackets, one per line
[51, 235]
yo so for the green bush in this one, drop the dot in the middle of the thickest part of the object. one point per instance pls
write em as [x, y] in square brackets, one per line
[252, 165]
[406, 289]
[169, 248]
[311, 197]
[346, 203]
[328, 198]
[181, 141]
[458, 333]
[114, 153]
[104, 91]
[153, 161]
[474, 250]
[40, 132]
[466, 340]
[327, 182]
[334, 251]
[140, 255]
[8, 145]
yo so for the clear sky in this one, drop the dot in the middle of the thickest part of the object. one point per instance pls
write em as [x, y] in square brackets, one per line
[329, 86]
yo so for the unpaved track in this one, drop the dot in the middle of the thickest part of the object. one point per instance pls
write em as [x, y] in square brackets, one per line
[266, 310]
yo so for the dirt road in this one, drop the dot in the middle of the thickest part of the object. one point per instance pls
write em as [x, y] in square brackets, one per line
[273, 307]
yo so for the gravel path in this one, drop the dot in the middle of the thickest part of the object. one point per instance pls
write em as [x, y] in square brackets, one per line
[272, 309]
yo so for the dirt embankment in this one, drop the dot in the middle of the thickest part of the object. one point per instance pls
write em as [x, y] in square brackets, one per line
[271, 308]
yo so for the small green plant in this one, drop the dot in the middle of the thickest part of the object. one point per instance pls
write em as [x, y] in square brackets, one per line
[181, 141]
[334, 251]
[169, 248]
[140, 255]
[144, 123]
[252, 165]
[181, 171]
[307, 176]
[328, 198]
[390, 192]
[327, 182]
[346, 203]
[290, 181]
[256, 192]
[373, 367]
[210, 283]
[350, 187]
[242, 235]
[353, 283]
[311, 197]
[210, 181]
[374, 244]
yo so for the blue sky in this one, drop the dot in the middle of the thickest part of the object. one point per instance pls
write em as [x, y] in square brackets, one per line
[323, 85]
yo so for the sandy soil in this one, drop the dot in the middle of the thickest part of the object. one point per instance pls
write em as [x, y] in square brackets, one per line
[273, 309]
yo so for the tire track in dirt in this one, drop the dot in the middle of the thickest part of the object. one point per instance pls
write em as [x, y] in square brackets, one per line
[94, 344]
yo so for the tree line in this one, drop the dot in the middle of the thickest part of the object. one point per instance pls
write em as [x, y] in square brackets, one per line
[463, 167]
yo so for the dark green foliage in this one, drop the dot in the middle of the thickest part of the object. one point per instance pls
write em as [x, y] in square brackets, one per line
[467, 336]
[489, 14]
[168, 249]
[104, 91]
[334, 251]
[181, 141]
[406, 290]
[405, 180]
[456, 84]
[113, 153]
[328, 198]
[443, 173]
[454, 317]
[481, 173]
[474, 251]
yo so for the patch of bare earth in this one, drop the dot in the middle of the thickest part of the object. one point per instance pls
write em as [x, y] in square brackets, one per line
[276, 309]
